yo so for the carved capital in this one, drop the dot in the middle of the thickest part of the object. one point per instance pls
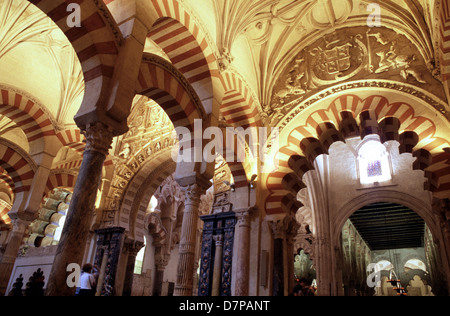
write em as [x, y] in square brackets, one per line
[161, 262]
[134, 248]
[22, 219]
[278, 229]
[193, 193]
[219, 240]
[243, 216]
[98, 138]
[284, 227]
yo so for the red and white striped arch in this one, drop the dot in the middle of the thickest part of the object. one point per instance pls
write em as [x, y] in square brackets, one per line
[26, 113]
[29, 115]
[140, 190]
[161, 82]
[18, 168]
[423, 126]
[60, 179]
[238, 106]
[6, 184]
[237, 160]
[96, 43]
[5, 220]
[347, 116]
[72, 138]
[184, 42]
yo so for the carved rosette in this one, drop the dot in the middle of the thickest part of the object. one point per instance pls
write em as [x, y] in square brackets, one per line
[98, 138]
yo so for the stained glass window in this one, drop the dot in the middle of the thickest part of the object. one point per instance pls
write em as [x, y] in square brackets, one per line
[373, 163]
[374, 169]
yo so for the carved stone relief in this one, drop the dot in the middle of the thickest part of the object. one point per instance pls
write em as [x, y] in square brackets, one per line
[150, 131]
[222, 175]
[350, 54]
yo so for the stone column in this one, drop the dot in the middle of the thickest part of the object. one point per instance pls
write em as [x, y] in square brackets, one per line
[101, 264]
[10, 255]
[217, 275]
[160, 265]
[73, 240]
[185, 272]
[279, 235]
[133, 250]
[243, 259]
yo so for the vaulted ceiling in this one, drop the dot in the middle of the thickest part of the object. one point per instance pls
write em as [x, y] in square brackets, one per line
[260, 38]
[255, 39]
[37, 58]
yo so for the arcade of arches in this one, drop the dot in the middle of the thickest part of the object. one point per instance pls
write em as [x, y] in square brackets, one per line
[351, 191]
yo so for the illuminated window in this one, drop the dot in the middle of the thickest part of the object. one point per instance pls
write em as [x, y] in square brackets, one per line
[415, 264]
[373, 163]
[59, 230]
[153, 204]
[139, 264]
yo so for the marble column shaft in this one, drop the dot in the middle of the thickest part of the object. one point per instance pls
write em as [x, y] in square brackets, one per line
[217, 275]
[73, 239]
[243, 259]
[185, 271]
[279, 227]
[160, 266]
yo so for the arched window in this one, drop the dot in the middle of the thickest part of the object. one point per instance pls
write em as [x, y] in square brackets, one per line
[383, 265]
[153, 205]
[373, 163]
[139, 264]
[415, 264]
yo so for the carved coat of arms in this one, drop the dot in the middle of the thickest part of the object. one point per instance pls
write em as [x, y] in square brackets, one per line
[337, 60]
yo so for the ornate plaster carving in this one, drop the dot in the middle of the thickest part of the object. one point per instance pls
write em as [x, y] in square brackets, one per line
[362, 55]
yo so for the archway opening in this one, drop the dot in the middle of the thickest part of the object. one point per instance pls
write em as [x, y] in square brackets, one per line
[385, 252]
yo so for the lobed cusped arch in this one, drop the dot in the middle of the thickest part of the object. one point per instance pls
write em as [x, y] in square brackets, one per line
[350, 116]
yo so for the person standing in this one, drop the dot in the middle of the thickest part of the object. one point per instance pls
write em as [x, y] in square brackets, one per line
[88, 281]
